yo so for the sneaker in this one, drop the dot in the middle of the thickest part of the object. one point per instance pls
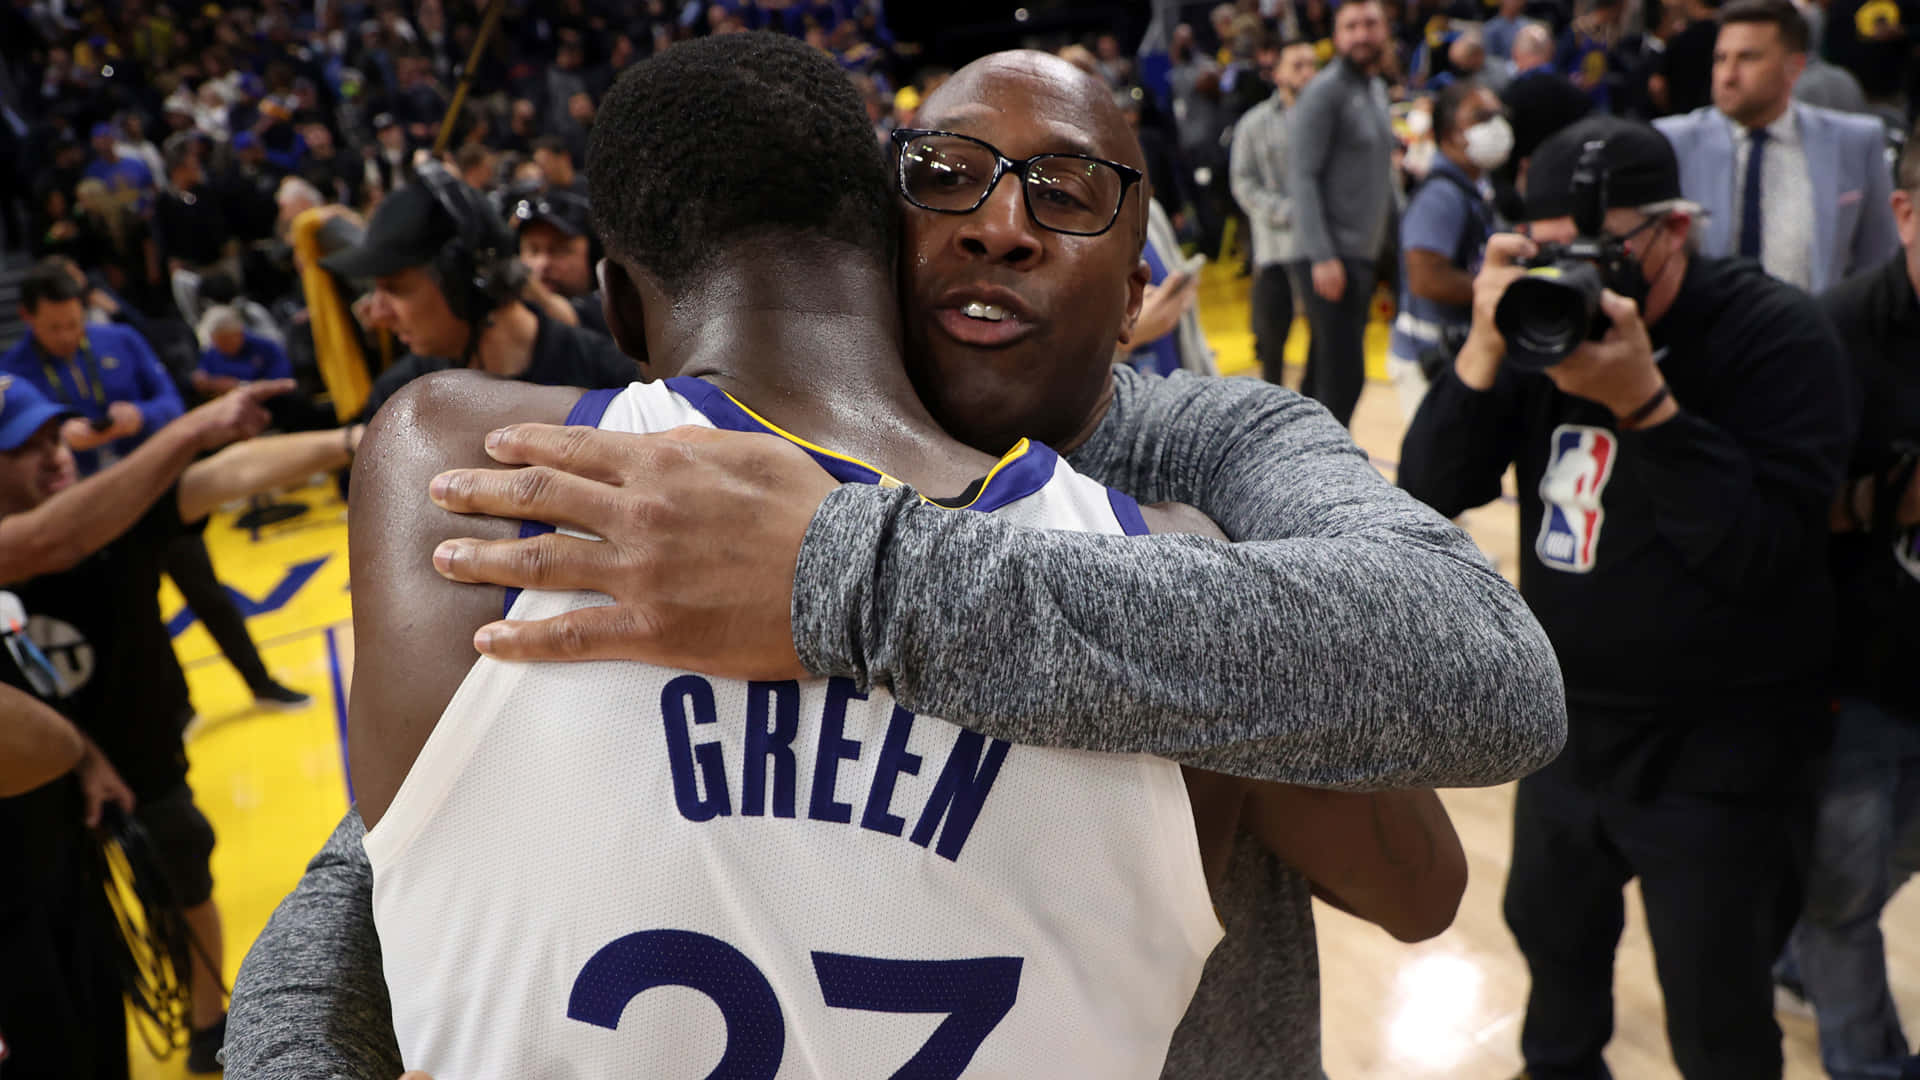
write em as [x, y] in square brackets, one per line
[203, 1049]
[274, 696]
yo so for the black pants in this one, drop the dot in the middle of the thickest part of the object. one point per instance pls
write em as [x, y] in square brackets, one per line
[1272, 319]
[1337, 363]
[192, 572]
[61, 1011]
[1721, 881]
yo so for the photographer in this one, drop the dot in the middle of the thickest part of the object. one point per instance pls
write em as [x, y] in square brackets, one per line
[1675, 476]
[427, 267]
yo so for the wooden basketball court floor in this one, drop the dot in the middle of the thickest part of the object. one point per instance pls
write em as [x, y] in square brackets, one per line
[274, 786]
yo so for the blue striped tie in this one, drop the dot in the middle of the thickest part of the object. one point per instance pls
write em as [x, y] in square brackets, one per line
[1750, 196]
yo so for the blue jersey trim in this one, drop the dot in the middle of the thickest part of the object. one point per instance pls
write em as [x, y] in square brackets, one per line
[1023, 471]
[1127, 512]
[586, 412]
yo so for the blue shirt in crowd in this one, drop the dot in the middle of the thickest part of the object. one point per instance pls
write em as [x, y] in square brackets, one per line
[1161, 357]
[115, 364]
[259, 358]
[1440, 218]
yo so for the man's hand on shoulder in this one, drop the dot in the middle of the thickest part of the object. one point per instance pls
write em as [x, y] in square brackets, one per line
[701, 535]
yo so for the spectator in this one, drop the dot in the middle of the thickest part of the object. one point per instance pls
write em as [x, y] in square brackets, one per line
[247, 191]
[1114, 67]
[1830, 87]
[1444, 228]
[134, 145]
[477, 166]
[190, 228]
[1497, 33]
[1693, 738]
[1875, 40]
[555, 158]
[1800, 188]
[1166, 337]
[389, 164]
[120, 243]
[1682, 78]
[1540, 102]
[1587, 50]
[1259, 175]
[1467, 59]
[1339, 153]
[105, 373]
[127, 179]
[1866, 840]
[55, 231]
[231, 356]
[339, 177]
[1195, 85]
[292, 198]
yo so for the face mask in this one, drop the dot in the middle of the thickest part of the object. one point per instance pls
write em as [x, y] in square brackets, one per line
[1419, 123]
[1489, 142]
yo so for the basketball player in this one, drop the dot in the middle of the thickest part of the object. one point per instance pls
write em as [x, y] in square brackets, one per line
[682, 329]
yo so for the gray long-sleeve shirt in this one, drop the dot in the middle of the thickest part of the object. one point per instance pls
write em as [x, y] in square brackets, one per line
[1340, 165]
[1353, 639]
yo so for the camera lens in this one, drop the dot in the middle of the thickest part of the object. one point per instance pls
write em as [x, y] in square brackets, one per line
[1546, 315]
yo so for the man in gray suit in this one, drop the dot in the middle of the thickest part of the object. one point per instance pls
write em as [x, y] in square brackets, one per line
[1259, 177]
[1801, 188]
[1339, 172]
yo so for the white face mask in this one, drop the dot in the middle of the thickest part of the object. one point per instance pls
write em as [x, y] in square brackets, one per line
[1419, 122]
[1489, 142]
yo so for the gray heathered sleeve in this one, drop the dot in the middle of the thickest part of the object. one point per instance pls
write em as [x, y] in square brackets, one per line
[1310, 135]
[311, 999]
[1353, 639]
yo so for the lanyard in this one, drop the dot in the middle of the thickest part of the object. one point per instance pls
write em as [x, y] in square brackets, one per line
[86, 376]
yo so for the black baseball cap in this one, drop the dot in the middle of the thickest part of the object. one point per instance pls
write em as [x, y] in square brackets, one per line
[1641, 167]
[561, 209]
[408, 229]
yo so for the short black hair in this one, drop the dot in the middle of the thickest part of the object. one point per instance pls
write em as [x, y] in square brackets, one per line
[1781, 13]
[554, 144]
[1446, 107]
[726, 138]
[49, 282]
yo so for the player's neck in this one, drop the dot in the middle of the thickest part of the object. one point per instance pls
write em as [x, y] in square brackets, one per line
[816, 349]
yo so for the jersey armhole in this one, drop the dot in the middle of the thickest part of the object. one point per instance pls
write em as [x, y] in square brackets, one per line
[1127, 512]
[1179, 839]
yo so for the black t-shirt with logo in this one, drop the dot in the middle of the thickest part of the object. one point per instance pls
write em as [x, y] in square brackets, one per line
[41, 834]
[99, 624]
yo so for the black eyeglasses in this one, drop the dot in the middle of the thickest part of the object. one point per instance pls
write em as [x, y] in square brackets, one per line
[1065, 193]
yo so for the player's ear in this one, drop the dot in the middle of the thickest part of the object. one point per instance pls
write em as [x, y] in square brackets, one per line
[626, 316]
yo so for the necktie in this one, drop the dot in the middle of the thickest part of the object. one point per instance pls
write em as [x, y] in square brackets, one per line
[1750, 201]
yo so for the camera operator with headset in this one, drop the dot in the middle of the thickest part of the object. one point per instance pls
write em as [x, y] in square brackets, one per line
[1678, 436]
[445, 280]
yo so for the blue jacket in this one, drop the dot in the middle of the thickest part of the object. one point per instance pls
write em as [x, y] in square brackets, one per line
[116, 365]
[1853, 226]
[258, 359]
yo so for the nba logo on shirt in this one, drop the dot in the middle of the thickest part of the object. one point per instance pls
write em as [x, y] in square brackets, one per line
[1571, 488]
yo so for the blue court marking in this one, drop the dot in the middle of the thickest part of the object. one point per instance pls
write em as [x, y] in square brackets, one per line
[339, 709]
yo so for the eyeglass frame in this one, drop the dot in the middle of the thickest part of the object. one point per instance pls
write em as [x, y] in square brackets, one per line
[1002, 165]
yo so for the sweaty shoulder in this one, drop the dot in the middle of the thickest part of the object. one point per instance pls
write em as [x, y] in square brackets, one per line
[413, 630]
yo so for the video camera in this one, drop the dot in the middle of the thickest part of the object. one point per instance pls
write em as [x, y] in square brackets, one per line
[1555, 308]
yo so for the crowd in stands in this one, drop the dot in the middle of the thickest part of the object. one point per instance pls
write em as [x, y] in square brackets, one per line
[166, 147]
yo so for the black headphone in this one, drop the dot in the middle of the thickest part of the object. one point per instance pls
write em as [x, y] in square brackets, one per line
[478, 270]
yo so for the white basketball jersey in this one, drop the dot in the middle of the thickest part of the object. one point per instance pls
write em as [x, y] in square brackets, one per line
[621, 870]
